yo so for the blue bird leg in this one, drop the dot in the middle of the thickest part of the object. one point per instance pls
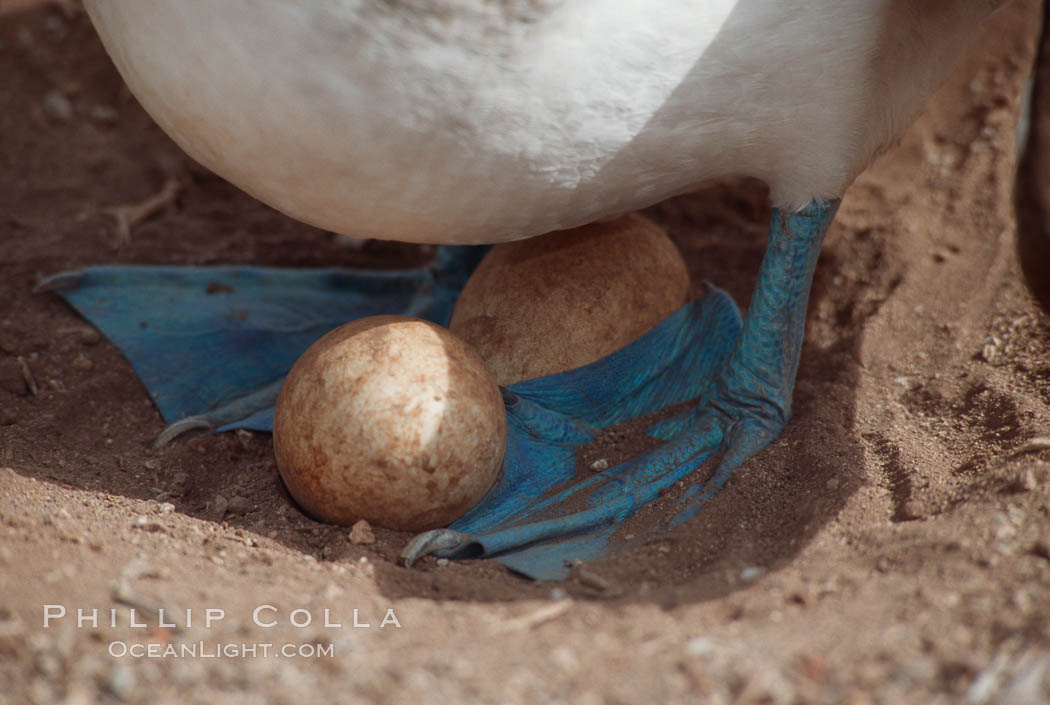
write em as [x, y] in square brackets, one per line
[746, 403]
[751, 401]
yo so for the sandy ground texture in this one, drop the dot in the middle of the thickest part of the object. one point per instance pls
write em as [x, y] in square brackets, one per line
[893, 547]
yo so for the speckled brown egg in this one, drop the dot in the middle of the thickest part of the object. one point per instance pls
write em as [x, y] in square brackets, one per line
[568, 298]
[390, 419]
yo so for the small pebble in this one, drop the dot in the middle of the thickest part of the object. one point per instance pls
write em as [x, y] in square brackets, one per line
[700, 646]
[27, 375]
[82, 363]
[752, 573]
[1026, 481]
[146, 524]
[104, 114]
[57, 107]
[599, 465]
[121, 681]
[166, 508]
[217, 507]
[592, 580]
[239, 505]
[89, 336]
[910, 510]
[361, 533]
[442, 562]
[832, 484]
[48, 664]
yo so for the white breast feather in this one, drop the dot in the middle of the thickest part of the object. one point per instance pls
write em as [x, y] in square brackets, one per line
[486, 122]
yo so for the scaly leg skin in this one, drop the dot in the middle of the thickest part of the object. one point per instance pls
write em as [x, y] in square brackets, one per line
[752, 399]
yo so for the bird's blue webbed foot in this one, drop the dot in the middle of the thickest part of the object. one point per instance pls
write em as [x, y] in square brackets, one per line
[744, 391]
[750, 402]
[213, 344]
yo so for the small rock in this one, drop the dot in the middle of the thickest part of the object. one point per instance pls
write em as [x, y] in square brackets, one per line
[1026, 481]
[166, 508]
[82, 363]
[832, 484]
[49, 665]
[883, 565]
[911, 510]
[700, 646]
[89, 336]
[361, 533]
[146, 524]
[104, 114]
[57, 107]
[239, 505]
[1022, 600]
[752, 573]
[244, 437]
[27, 375]
[121, 681]
[592, 580]
[442, 562]
[559, 594]
[179, 478]
[599, 465]
[217, 507]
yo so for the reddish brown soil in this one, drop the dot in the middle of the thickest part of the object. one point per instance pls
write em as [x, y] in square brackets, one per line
[892, 547]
